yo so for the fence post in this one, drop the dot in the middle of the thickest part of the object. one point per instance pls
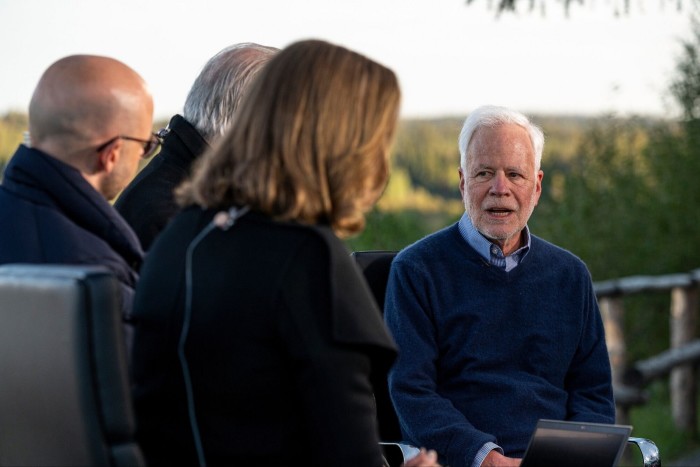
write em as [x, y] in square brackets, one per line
[684, 307]
[613, 312]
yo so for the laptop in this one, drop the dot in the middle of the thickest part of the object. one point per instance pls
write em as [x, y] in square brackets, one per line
[575, 444]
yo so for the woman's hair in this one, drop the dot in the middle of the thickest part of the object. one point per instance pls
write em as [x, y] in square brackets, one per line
[310, 142]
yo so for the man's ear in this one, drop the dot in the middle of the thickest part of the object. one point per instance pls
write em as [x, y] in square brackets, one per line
[109, 156]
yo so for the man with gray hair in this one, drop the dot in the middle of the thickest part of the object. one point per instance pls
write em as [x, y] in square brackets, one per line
[148, 202]
[497, 328]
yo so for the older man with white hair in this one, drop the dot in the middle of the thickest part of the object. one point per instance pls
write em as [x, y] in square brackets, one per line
[496, 327]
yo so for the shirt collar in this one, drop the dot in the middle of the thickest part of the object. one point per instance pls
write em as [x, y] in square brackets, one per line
[489, 250]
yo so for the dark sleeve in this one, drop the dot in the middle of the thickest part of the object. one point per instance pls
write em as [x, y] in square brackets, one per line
[332, 376]
[147, 203]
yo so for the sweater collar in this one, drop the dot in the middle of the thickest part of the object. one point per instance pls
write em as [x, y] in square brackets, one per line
[45, 180]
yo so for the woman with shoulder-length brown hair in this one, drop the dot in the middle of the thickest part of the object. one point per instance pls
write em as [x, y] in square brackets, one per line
[310, 145]
[255, 334]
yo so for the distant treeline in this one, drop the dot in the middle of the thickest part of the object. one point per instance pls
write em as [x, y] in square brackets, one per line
[621, 194]
[616, 191]
[12, 128]
[425, 155]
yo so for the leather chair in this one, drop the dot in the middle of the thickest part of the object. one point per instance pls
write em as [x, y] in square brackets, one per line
[64, 388]
[375, 266]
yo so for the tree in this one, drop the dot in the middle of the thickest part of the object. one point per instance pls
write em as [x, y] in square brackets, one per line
[685, 88]
[628, 204]
[619, 7]
[12, 127]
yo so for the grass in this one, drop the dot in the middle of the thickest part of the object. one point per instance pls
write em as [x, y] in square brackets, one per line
[655, 422]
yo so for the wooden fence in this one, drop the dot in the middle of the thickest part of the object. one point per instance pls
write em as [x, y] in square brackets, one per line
[679, 361]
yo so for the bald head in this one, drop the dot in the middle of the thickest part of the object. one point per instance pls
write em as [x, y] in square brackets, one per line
[83, 100]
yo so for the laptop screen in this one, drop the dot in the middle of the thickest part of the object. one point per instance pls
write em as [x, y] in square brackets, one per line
[575, 444]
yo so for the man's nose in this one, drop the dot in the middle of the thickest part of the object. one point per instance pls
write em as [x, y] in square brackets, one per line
[500, 184]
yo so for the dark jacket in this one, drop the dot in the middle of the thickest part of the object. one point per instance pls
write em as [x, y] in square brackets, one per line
[147, 203]
[49, 213]
[282, 339]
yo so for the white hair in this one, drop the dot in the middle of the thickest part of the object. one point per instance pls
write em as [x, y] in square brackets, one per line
[220, 86]
[490, 116]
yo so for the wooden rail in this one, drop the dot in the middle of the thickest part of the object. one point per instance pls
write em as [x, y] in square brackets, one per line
[678, 361]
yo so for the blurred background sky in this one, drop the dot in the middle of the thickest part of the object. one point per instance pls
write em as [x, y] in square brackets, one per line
[449, 57]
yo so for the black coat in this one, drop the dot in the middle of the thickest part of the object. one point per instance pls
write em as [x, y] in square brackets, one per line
[148, 203]
[283, 336]
[49, 213]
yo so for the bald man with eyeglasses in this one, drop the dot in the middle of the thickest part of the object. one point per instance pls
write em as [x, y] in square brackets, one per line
[90, 123]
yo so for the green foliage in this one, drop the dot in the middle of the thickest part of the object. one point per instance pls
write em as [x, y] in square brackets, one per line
[401, 194]
[12, 127]
[685, 87]
[654, 421]
[427, 151]
[627, 204]
[563, 135]
[597, 203]
[393, 230]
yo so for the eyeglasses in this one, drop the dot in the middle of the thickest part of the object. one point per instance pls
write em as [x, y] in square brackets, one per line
[149, 146]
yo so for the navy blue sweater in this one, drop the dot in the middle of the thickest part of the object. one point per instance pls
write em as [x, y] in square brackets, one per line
[485, 353]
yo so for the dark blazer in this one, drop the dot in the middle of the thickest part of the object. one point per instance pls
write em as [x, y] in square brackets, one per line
[148, 203]
[284, 334]
[49, 213]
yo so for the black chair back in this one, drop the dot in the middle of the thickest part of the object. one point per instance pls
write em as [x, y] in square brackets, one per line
[375, 266]
[64, 388]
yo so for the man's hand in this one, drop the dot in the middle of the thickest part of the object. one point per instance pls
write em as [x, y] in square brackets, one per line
[423, 459]
[496, 459]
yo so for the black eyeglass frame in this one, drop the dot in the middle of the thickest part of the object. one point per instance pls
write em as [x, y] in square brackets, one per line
[149, 146]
